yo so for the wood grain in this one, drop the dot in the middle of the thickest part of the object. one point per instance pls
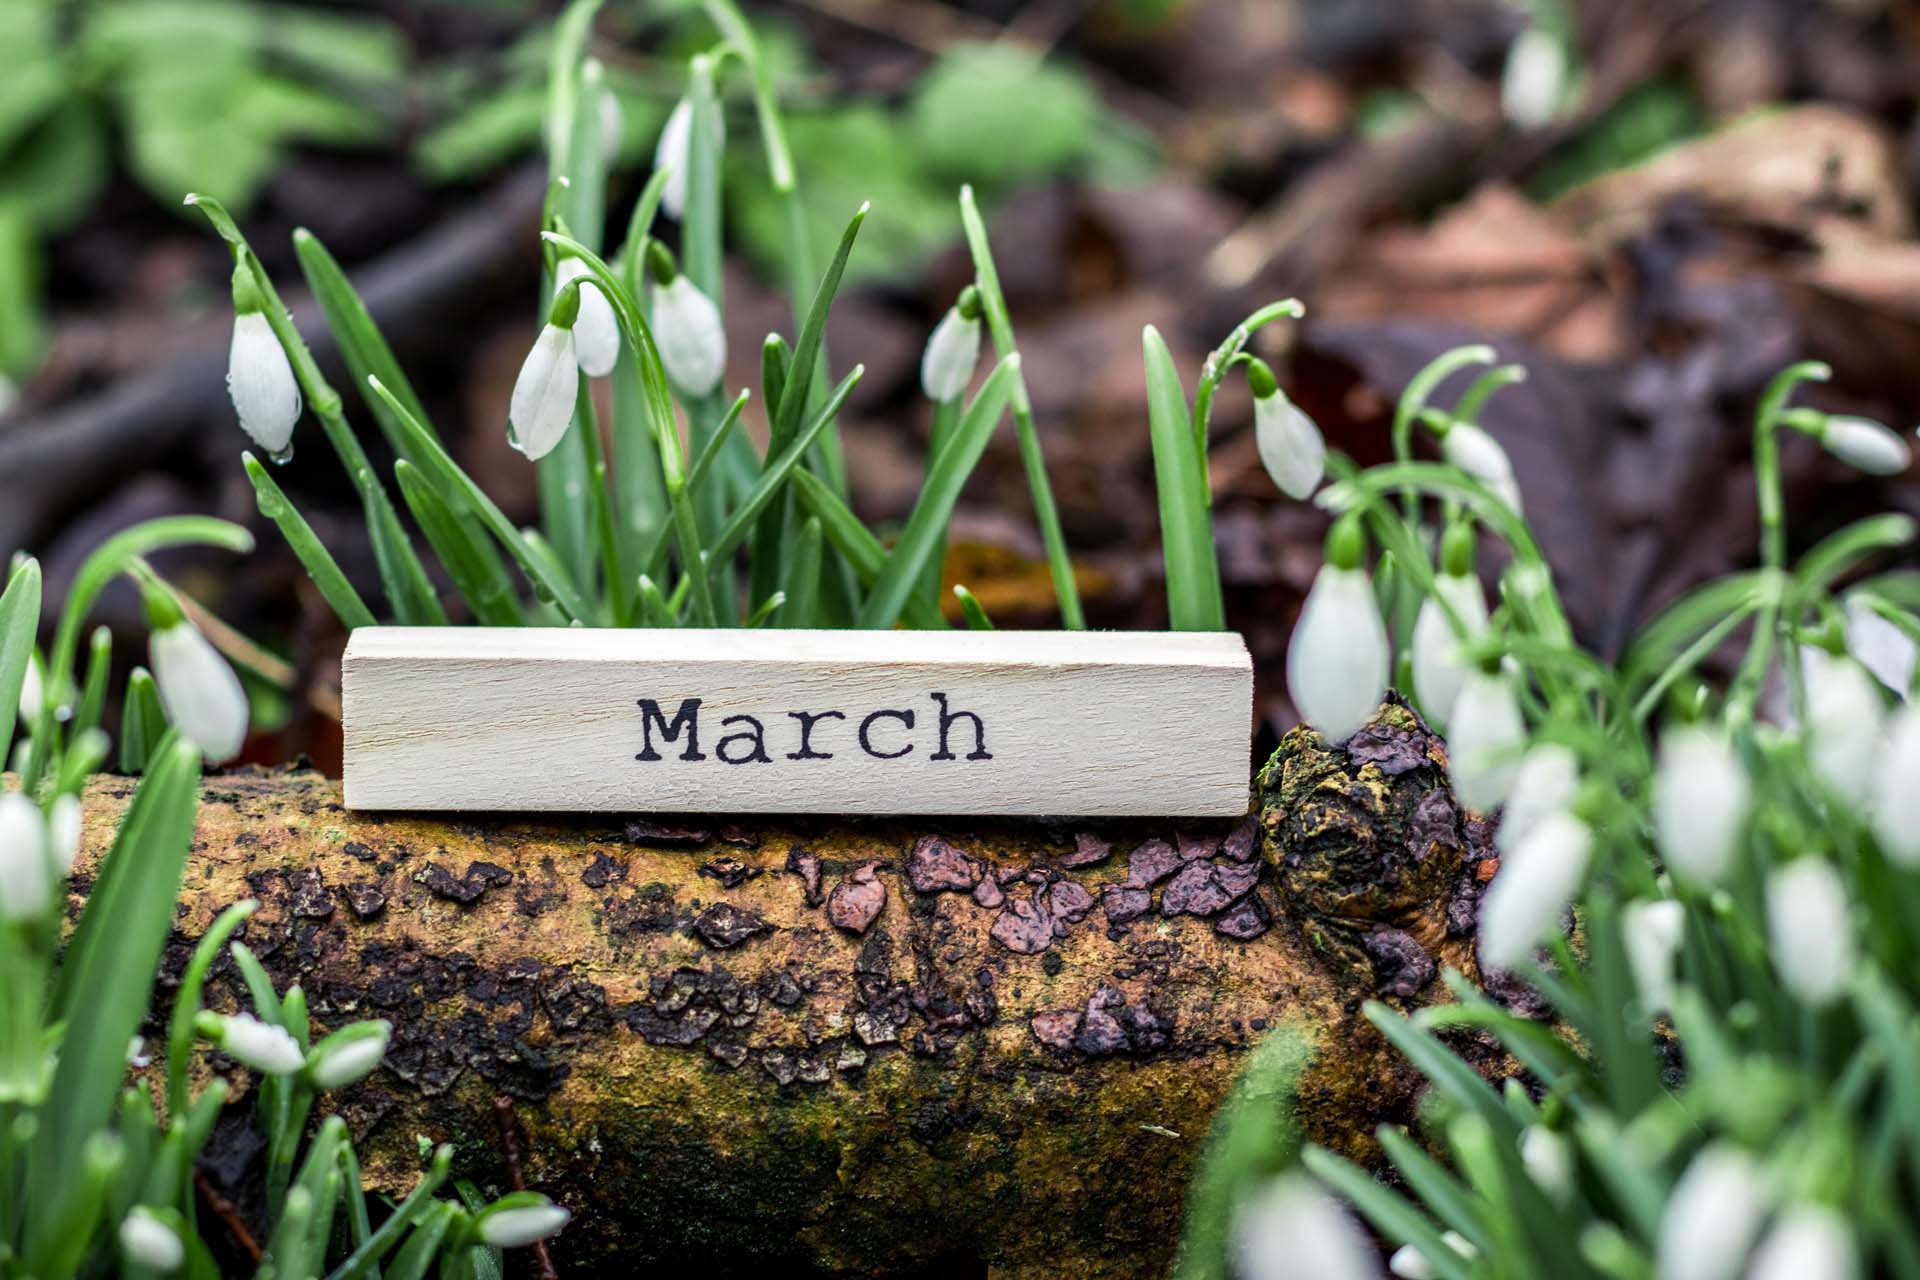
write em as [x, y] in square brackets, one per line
[1001, 722]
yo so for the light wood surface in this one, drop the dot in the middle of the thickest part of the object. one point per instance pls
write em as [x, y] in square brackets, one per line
[855, 722]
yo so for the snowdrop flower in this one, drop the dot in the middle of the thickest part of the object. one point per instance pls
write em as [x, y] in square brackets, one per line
[349, 1054]
[1439, 671]
[1865, 445]
[1531, 890]
[1485, 735]
[251, 1042]
[201, 694]
[953, 350]
[1337, 658]
[26, 874]
[1711, 1218]
[1543, 785]
[1888, 653]
[596, 334]
[1844, 713]
[1809, 925]
[63, 832]
[1548, 1160]
[1807, 1241]
[1896, 772]
[1409, 1263]
[1478, 454]
[1534, 81]
[32, 691]
[686, 327]
[672, 154]
[1652, 934]
[149, 1242]
[519, 1222]
[541, 408]
[1293, 1230]
[1700, 797]
[260, 381]
[1290, 445]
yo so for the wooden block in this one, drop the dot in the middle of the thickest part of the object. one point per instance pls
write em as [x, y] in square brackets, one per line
[991, 722]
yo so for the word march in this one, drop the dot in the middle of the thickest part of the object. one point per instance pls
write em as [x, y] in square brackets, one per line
[884, 734]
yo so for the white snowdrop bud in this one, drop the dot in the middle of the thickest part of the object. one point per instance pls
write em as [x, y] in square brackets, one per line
[253, 1043]
[1543, 785]
[1896, 776]
[1700, 795]
[1478, 454]
[1808, 1241]
[63, 832]
[541, 408]
[690, 335]
[1409, 1263]
[260, 381]
[32, 685]
[1291, 447]
[613, 125]
[596, 333]
[1548, 1160]
[1485, 735]
[1534, 82]
[953, 350]
[26, 873]
[1844, 715]
[349, 1054]
[1337, 657]
[1810, 926]
[1866, 445]
[1711, 1218]
[201, 694]
[149, 1242]
[1439, 670]
[1652, 932]
[522, 1223]
[1532, 889]
[1888, 653]
[673, 154]
[1293, 1230]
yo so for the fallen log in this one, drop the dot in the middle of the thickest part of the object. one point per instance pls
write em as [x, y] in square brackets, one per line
[862, 1047]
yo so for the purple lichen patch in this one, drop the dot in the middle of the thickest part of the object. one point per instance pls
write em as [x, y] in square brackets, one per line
[1123, 904]
[1151, 863]
[603, 871]
[935, 865]
[724, 925]
[1024, 926]
[1401, 966]
[307, 896]
[1243, 842]
[988, 893]
[1195, 847]
[1208, 888]
[1055, 1028]
[1245, 920]
[1394, 750]
[729, 871]
[1107, 1026]
[806, 865]
[857, 900]
[1088, 850]
[365, 898]
[468, 889]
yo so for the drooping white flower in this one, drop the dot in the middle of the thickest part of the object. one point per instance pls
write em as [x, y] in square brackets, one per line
[1866, 445]
[1548, 1160]
[1888, 653]
[1530, 892]
[1652, 932]
[1478, 454]
[952, 351]
[1545, 784]
[1337, 658]
[32, 691]
[1293, 1230]
[673, 154]
[149, 1242]
[1896, 774]
[690, 335]
[1844, 715]
[1809, 924]
[1534, 82]
[1485, 734]
[1700, 794]
[26, 873]
[541, 408]
[596, 333]
[63, 832]
[1712, 1217]
[613, 125]
[1439, 671]
[343, 1058]
[260, 1045]
[201, 694]
[261, 384]
[521, 1224]
[1290, 444]
[1409, 1263]
[1808, 1241]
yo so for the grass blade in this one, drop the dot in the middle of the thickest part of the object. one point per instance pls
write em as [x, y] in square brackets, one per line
[803, 576]
[971, 608]
[480, 581]
[801, 371]
[19, 621]
[856, 543]
[143, 722]
[307, 548]
[361, 344]
[779, 467]
[1186, 523]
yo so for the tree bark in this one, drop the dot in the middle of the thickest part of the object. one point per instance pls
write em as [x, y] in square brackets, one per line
[804, 1046]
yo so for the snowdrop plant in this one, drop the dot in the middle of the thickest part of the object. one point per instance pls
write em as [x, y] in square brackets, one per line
[1706, 893]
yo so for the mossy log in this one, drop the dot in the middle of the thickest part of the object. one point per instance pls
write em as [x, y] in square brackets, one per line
[821, 1046]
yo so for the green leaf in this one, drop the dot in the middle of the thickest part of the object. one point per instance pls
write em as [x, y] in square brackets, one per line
[1392, 1216]
[856, 543]
[1186, 519]
[488, 131]
[779, 467]
[361, 345]
[19, 624]
[307, 548]
[996, 113]
[477, 575]
[57, 171]
[976, 613]
[143, 722]
[21, 334]
[186, 1000]
[806, 352]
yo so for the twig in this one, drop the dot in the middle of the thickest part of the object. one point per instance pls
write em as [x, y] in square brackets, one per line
[229, 1215]
[503, 1119]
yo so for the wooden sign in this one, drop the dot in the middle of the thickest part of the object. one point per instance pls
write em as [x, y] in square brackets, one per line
[990, 722]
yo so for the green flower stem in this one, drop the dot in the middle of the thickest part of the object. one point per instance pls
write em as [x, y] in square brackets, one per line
[307, 547]
[613, 567]
[945, 415]
[1414, 399]
[186, 1001]
[1221, 360]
